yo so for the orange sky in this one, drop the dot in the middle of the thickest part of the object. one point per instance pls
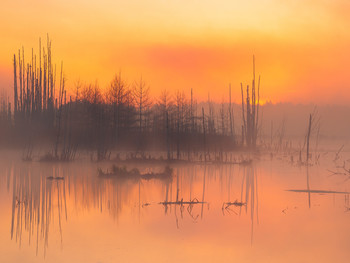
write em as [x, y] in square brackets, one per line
[301, 47]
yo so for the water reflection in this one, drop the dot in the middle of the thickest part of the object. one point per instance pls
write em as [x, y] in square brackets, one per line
[250, 181]
[42, 195]
[36, 202]
[200, 206]
[309, 191]
[187, 196]
[308, 185]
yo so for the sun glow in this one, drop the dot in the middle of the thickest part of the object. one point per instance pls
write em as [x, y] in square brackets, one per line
[300, 47]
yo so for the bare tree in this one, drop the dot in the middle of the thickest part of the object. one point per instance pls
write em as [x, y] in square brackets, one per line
[251, 114]
[117, 96]
[142, 101]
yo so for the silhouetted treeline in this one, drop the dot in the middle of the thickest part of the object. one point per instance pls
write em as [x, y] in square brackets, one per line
[122, 117]
[125, 118]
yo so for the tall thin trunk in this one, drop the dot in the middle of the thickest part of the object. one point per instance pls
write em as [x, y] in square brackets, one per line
[230, 112]
[249, 120]
[244, 128]
[204, 139]
[308, 140]
[257, 113]
[15, 84]
[167, 135]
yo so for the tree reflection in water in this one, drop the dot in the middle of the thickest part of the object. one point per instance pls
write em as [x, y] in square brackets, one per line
[40, 202]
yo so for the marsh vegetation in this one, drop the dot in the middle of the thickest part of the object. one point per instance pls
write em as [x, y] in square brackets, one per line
[191, 172]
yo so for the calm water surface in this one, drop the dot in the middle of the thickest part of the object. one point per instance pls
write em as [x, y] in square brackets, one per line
[84, 218]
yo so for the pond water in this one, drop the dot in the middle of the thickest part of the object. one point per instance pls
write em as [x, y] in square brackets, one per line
[84, 218]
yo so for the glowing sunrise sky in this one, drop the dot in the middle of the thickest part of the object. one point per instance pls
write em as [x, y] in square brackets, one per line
[302, 47]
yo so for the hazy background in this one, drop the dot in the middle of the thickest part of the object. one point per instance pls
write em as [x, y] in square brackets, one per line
[291, 120]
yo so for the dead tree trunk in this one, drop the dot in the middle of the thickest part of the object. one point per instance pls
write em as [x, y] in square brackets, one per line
[251, 120]
[308, 140]
[231, 115]
[204, 139]
[15, 84]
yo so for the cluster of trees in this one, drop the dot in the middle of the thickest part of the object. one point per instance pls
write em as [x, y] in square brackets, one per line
[34, 85]
[123, 116]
